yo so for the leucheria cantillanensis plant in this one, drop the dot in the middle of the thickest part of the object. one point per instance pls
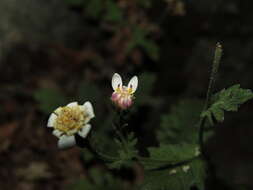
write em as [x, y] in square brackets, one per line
[179, 163]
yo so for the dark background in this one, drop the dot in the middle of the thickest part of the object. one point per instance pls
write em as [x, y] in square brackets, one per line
[53, 52]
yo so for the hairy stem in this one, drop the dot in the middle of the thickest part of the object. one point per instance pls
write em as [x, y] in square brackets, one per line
[213, 76]
[119, 125]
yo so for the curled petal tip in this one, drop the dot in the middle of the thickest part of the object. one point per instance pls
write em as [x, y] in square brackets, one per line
[133, 84]
[116, 81]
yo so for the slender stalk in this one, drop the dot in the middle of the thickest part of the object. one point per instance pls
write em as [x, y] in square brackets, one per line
[213, 76]
[201, 135]
[119, 124]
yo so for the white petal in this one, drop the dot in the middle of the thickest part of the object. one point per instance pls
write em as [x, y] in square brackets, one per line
[51, 120]
[116, 81]
[57, 133]
[133, 83]
[72, 104]
[66, 141]
[58, 110]
[84, 131]
[89, 109]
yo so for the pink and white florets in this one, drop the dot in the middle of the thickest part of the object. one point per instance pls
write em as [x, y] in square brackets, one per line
[123, 96]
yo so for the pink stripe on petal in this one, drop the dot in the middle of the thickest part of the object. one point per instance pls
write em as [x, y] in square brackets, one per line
[115, 96]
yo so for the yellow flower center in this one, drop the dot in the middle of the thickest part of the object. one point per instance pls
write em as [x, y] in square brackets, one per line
[124, 91]
[70, 120]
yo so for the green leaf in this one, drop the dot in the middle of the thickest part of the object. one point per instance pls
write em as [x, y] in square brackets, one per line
[168, 155]
[178, 178]
[49, 99]
[180, 124]
[227, 100]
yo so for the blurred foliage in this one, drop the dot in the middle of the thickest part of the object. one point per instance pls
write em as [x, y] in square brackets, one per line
[180, 125]
[88, 92]
[49, 99]
[110, 11]
[145, 90]
[98, 180]
[113, 12]
[139, 39]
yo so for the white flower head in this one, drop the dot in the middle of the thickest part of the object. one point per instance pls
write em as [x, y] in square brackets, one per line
[70, 120]
[123, 95]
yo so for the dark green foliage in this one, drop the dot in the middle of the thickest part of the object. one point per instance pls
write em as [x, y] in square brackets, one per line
[144, 3]
[113, 13]
[98, 9]
[140, 39]
[109, 11]
[178, 178]
[98, 180]
[49, 99]
[226, 100]
[93, 8]
[180, 125]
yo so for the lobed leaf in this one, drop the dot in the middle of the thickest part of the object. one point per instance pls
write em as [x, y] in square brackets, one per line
[167, 155]
[226, 100]
[178, 178]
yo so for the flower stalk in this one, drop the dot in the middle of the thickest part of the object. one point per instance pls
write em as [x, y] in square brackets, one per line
[215, 68]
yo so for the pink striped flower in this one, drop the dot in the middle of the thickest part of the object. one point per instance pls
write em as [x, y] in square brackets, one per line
[123, 96]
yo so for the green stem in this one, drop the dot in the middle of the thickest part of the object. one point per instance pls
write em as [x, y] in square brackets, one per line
[119, 124]
[215, 67]
[213, 76]
[201, 135]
